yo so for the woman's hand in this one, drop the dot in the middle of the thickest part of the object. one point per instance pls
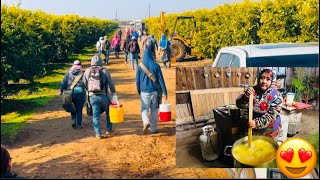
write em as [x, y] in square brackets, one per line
[249, 91]
[252, 124]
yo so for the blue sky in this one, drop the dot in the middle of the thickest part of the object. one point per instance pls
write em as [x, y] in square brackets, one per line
[122, 9]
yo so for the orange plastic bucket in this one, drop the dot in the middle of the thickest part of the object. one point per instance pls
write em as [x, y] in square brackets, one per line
[116, 114]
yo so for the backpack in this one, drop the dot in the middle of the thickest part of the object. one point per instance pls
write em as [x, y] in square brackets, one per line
[133, 47]
[94, 80]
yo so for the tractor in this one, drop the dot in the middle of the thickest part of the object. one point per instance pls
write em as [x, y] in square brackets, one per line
[181, 46]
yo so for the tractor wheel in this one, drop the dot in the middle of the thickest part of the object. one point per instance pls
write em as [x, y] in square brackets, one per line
[179, 50]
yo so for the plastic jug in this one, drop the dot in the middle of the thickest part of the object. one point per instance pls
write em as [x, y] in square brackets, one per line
[290, 98]
[165, 111]
[209, 143]
[116, 113]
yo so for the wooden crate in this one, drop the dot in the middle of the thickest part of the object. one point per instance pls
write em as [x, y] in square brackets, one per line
[203, 101]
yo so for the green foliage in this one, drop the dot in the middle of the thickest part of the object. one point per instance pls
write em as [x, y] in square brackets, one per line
[267, 21]
[32, 40]
[314, 140]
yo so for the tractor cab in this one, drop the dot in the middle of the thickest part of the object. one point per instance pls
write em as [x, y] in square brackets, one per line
[180, 38]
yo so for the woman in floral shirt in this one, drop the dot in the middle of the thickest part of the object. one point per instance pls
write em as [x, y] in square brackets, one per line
[267, 103]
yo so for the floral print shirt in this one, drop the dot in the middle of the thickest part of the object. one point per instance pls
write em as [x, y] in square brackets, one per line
[267, 107]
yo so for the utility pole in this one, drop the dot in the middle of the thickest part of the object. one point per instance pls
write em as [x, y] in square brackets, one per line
[18, 3]
[149, 9]
[117, 14]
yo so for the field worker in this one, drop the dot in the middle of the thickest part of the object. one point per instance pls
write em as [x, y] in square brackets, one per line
[108, 44]
[101, 46]
[97, 80]
[128, 31]
[116, 43]
[78, 95]
[120, 34]
[148, 90]
[125, 48]
[154, 44]
[165, 51]
[267, 105]
[134, 51]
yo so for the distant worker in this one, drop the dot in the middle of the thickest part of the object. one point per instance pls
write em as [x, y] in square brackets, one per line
[140, 34]
[120, 34]
[165, 51]
[100, 46]
[146, 30]
[108, 44]
[125, 48]
[116, 43]
[128, 31]
[154, 44]
[134, 51]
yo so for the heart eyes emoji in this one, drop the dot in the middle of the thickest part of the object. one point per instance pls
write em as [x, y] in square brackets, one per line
[303, 155]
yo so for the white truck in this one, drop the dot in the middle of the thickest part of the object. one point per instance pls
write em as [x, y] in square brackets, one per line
[269, 55]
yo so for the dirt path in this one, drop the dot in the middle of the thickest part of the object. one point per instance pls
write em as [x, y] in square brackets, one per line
[47, 147]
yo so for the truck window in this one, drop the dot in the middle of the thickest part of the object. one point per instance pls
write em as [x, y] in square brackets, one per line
[228, 60]
[235, 61]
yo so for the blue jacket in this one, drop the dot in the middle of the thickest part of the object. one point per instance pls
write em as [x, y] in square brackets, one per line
[165, 43]
[143, 82]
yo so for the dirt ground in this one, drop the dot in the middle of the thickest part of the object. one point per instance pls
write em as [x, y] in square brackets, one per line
[48, 147]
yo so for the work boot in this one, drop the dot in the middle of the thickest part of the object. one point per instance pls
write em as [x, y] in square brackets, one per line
[146, 129]
[110, 133]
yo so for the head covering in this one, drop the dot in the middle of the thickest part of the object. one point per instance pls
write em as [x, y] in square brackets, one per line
[133, 37]
[274, 75]
[76, 62]
[76, 65]
[101, 38]
[163, 41]
[96, 61]
[147, 55]
[148, 43]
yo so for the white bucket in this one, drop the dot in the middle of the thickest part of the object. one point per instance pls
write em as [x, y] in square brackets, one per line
[290, 97]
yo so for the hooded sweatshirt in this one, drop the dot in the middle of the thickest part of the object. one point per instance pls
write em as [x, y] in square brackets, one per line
[70, 76]
[105, 78]
[143, 82]
[165, 43]
[126, 43]
[115, 40]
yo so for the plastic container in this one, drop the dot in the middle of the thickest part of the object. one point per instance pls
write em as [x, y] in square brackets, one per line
[209, 143]
[116, 113]
[290, 97]
[284, 129]
[165, 112]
